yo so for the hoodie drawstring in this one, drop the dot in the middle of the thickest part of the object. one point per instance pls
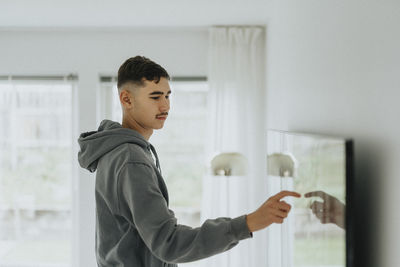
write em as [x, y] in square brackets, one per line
[155, 154]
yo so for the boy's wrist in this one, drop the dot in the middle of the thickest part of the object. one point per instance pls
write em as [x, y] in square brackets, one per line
[250, 220]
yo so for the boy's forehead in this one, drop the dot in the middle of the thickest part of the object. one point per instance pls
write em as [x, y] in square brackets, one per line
[151, 86]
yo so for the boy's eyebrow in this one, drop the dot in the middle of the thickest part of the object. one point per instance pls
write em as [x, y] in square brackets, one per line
[159, 93]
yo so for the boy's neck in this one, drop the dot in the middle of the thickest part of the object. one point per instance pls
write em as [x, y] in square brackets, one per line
[146, 133]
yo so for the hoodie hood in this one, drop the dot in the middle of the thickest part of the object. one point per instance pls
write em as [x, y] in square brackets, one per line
[110, 134]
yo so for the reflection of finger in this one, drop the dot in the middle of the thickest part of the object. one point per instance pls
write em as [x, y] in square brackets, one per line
[319, 216]
[324, 220]
[319, 212]
[320, 194]
[317, 206]
[322, 216]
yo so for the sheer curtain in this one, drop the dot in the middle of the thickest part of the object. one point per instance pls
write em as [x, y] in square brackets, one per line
[237, 124]
[36, 170]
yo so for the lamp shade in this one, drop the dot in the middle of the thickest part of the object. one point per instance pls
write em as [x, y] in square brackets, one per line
[281, 164]
[229, 164]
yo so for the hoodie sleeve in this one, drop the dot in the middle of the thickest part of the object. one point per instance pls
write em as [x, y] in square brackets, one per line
[158, 226]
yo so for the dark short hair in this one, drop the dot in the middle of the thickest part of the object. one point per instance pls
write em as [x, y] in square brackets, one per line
[135, 69]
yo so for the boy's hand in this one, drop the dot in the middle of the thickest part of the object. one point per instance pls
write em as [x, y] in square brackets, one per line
[274, 210]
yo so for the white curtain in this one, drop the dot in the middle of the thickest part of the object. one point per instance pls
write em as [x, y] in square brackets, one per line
[237, 124]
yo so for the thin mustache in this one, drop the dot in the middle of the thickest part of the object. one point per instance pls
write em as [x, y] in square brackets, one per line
[163, 114]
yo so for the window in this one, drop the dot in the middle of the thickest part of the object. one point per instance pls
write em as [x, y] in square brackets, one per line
[35, 171]
[180, 144]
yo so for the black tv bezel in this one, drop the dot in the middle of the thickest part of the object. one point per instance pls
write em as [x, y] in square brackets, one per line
[349, 147]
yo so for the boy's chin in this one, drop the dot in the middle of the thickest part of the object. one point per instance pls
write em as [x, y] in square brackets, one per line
[158, 127]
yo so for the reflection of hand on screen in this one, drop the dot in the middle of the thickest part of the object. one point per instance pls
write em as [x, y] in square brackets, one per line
[331, 210]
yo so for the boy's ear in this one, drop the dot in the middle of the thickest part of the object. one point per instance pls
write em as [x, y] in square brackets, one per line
[125, 98]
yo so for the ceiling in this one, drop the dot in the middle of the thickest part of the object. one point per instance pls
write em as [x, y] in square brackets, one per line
[16, 14]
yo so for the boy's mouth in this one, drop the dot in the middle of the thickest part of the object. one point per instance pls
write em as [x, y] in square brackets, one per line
[161, 117]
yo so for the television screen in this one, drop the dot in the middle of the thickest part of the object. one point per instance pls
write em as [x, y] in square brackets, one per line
[317, 232]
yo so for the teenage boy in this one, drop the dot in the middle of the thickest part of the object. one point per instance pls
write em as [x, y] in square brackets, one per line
[134, 226]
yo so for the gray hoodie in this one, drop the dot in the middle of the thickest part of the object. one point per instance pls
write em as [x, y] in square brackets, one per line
[134, 226]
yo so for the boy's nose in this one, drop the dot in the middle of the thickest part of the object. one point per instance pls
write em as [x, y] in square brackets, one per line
[164, 106]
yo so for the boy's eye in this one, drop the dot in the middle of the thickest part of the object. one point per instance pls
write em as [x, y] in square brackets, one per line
[157, 97]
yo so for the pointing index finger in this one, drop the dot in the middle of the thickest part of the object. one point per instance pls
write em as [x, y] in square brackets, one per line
[283, 194]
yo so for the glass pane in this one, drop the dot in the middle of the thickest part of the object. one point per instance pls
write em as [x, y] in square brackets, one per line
[314, 166]
[35, 174]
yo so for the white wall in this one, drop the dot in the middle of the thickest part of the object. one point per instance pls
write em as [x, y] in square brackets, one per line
[131, 13]
[333, 67]
[183, 52]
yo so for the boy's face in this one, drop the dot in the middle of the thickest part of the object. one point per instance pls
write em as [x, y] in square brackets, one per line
[148, 106]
